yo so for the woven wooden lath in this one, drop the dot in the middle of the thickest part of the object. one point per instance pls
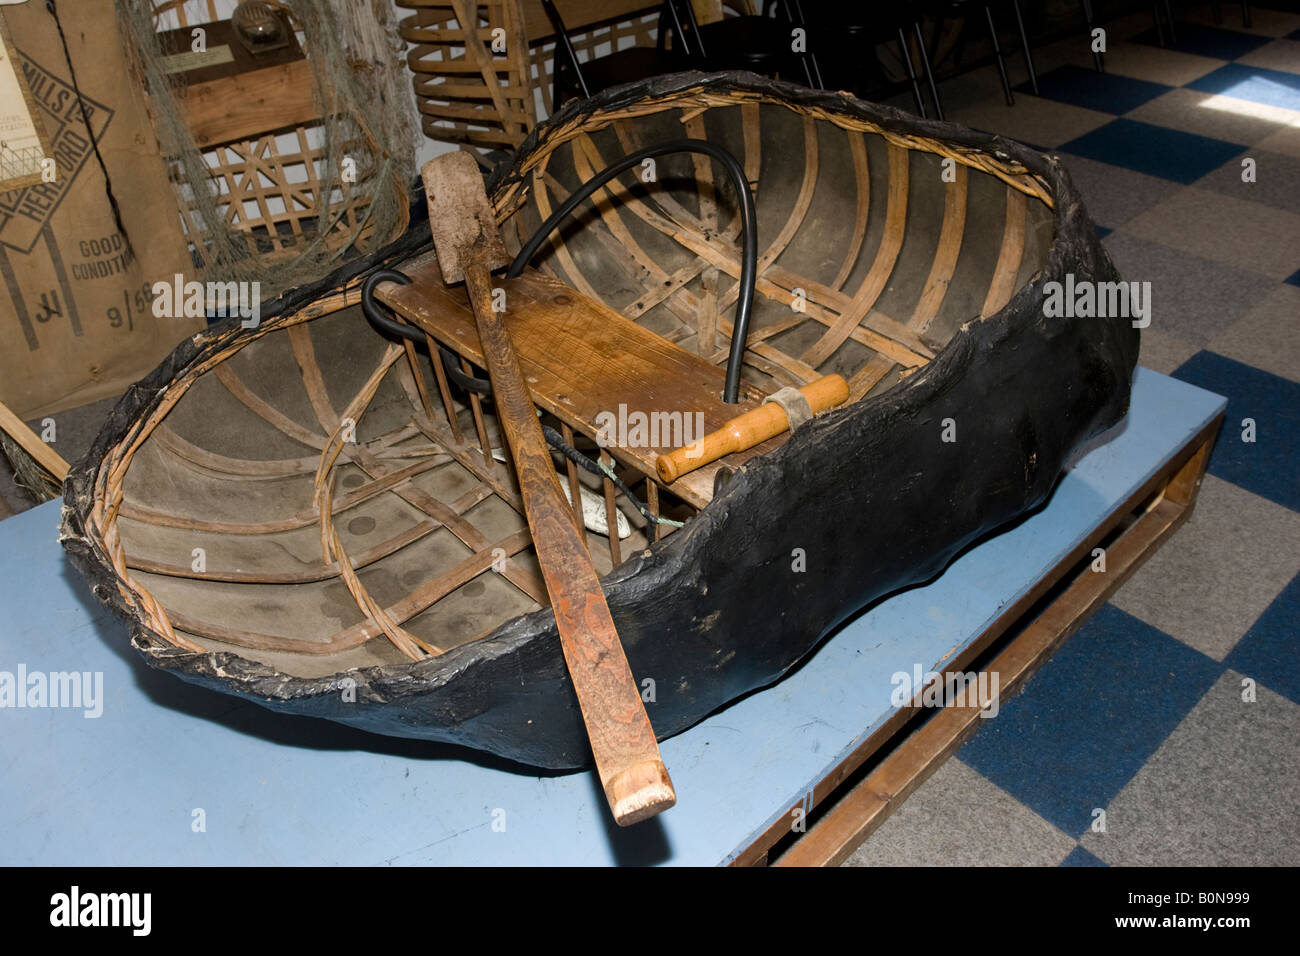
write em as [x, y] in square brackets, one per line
[275, 187]
[839, 325]
[432, 434]
[468, 93]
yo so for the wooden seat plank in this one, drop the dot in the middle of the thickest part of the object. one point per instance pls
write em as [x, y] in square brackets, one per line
[581, 359]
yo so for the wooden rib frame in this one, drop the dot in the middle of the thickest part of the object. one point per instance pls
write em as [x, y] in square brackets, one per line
[381, 460]
[893, 343]
[841, 314]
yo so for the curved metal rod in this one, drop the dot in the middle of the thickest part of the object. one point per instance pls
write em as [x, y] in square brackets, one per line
[748, 233]
[377, 317]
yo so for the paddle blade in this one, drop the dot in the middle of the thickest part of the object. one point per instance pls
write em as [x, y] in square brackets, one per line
[460, 216]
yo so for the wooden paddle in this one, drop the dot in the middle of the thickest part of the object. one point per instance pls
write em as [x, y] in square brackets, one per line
[627, 756]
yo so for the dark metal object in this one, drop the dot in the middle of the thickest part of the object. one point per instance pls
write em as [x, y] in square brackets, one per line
[748, 234]
[946, 7]
[842, 33]
[925, 62]
[1089, 21]
[260, 26]
[1024, 47]
[757, 43]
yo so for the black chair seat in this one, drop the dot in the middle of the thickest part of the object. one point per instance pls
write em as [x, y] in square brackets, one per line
[573, 79]
[748, 31]
[746, 43]
[851, 20]
[843, 38]
[627, 66]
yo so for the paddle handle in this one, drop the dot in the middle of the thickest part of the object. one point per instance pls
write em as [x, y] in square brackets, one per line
[747, 430]
[632, 774]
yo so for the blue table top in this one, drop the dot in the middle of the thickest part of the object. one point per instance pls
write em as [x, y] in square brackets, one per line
[133, 785]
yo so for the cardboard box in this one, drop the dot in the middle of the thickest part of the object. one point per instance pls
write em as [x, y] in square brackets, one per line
[76, 275]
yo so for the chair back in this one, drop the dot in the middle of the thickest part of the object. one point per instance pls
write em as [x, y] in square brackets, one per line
[686, 30]
[568, 71]
[793, 12]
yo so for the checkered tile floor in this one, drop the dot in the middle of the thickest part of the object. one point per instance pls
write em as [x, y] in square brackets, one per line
[1165, 731]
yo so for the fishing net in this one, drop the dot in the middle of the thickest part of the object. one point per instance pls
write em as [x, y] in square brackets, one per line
[289, 204]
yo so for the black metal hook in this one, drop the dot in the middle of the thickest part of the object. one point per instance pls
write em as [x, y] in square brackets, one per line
[378, 316]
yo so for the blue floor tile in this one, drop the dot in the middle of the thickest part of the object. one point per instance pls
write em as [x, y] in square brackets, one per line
[1207, 41]
[1154, 150]
[1267, 652]
[1253, 83]
[1266, 466]
[1089, 720]
[1104, 92]
[1081, 857]
[1294, 278]
[1103, 232]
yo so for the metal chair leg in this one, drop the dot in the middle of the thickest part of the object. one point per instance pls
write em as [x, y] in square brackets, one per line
[1087, 19]
[1217, 11]
[929, 74]
[1024, 47]
[1245, 14]
[1169, 15]
[997, 52]
[911, 72]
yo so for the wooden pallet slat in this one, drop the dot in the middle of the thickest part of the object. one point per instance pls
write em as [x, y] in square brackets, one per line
[1155, 511]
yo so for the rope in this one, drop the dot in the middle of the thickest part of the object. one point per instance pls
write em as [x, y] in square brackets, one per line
[600, 469]
[90, 133]
[794, 403]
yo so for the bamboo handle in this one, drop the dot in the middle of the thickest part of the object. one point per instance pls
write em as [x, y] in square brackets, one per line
[632, 774]
[747, 430]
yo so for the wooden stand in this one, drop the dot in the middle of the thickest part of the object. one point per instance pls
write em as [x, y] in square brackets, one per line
[858, 795]
[737, 770]
[476, 86]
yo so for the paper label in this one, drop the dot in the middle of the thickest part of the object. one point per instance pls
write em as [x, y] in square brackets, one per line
[190, 60]
[24, 213]
[20, 144]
